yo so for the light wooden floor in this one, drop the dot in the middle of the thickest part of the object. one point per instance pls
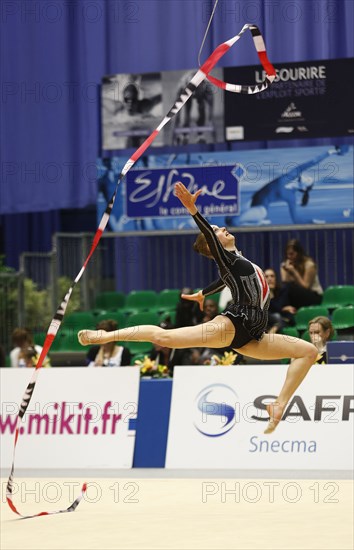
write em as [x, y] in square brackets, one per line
[170, 514]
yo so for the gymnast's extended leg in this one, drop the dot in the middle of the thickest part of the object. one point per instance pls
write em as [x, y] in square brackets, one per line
[217, 333]
[279, 346]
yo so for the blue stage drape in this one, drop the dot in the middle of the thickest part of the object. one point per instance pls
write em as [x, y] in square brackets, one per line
[53, 55]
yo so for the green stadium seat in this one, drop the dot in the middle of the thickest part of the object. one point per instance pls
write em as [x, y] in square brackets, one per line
[141, 300]
[98, 311]
[79, 320]
[168, 299]
[68, 342]
[143, 318]
[117, 316]
[170, 313]
[290, 331]
[343, 318]
[305, 314]
[142, 348]
[39, 338]
[110, 300]
[338, 296]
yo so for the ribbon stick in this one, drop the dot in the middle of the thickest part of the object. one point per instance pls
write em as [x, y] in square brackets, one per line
[189, 90]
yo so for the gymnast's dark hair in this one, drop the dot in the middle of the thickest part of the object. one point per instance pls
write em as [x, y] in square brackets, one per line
[201, 246]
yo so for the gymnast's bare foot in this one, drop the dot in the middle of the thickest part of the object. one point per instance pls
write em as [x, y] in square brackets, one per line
[275, 411]
[89, 337]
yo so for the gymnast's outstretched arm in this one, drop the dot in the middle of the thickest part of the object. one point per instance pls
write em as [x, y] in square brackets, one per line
[215, 286]
[188, 200]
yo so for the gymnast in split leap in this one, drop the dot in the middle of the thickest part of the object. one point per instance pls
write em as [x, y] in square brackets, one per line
[241, 325]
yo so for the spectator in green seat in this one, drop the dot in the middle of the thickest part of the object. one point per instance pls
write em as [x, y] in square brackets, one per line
[187, 312]
[280, 313]
[210, 310]
[24, 349]
[110, 354]
[299, 274]
[29, 358]
[321, 330]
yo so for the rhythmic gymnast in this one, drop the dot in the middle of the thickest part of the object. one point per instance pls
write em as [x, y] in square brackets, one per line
[240, 326]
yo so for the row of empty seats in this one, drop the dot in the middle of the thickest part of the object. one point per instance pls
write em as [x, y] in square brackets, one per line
[342, 317]
[138, 300]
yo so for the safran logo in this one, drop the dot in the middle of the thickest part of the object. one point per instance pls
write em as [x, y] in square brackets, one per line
[215, 415]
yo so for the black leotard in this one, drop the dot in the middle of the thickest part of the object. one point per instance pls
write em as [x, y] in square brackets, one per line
[247, 283]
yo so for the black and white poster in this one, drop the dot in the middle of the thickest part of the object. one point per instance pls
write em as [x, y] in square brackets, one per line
[132, 106]
[131, 109]
[201, 119]
[307, 99]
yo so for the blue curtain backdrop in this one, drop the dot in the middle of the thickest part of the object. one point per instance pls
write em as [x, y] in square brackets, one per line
[53, 55]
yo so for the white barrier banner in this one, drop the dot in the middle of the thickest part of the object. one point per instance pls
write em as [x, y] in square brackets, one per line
[77, 418]
[218, 417]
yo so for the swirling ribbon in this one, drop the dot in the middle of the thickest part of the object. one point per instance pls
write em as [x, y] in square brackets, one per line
[200, 75]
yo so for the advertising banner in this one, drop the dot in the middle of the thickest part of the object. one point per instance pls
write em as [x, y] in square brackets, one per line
[218, 417]
[132, 106]
[277, 187]
[304, 101]
[151, 192]
[77, 418]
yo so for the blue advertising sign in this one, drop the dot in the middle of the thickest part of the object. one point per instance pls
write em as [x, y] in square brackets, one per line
[266, 187]
[150, 192]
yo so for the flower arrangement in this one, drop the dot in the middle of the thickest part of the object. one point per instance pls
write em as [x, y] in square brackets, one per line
[148, 367]
[227, 359]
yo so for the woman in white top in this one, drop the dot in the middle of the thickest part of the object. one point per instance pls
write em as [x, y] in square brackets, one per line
[110, 354]
[299, 274]
[23, 347]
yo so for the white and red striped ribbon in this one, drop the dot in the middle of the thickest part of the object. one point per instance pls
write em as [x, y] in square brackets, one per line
[200, 75]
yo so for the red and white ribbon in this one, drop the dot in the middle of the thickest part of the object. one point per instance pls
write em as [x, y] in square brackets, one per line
[199, 76]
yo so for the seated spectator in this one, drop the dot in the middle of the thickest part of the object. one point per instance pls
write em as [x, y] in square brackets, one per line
[320, 330]
[187, 312]
[111, 354]
[24, 346]
[280, 313]
[210, 310]
[29, 357]
[203, 356]
[299, 274]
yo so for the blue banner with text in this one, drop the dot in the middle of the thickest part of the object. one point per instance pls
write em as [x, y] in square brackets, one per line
[269, 187]
[150, 192]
